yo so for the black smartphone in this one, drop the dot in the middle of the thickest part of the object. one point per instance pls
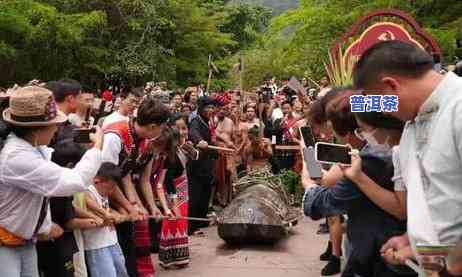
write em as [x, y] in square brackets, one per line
[330, 153]
[312, 166]
[307, 135]
[82, 135]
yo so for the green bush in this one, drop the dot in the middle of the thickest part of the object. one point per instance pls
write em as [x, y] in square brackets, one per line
[293, 185]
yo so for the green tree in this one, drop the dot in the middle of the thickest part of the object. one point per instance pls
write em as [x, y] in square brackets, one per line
[246, 23]
[193, 36]
[297, 42]
[38, 41]
[139, 40]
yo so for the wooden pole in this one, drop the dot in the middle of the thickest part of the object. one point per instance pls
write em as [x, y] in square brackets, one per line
[223, 149]
[241, 79]
[288, 147]
[209, 81]
[185, 218]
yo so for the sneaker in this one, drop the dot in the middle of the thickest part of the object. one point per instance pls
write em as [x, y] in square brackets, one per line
[323, 229]
[332, 267]
[326, 255]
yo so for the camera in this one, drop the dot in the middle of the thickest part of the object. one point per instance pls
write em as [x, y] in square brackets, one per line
[82, 135]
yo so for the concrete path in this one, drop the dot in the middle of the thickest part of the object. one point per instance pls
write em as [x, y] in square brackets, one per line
[296, 256]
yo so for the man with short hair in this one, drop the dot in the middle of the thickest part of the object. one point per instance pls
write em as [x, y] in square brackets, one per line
[226, 167]
[161, 93]
[61, 257]
[82, 117]
[127, 144]
[193, 98]
[200, 172]
[176, 102]
[130, 100]
[324, 87]
[431, 145]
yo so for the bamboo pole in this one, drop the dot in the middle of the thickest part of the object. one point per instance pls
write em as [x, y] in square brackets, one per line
[209, 80]
[288, 147]
[217, 148]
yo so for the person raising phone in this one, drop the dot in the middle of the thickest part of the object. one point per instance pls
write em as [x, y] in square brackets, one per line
[25, 187]
[380, 131]
[368, 225]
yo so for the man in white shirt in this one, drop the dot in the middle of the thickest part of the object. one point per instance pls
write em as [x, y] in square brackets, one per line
[129, 102]
[277, 103]
[324, 87]
[431, 145]
[82, 117]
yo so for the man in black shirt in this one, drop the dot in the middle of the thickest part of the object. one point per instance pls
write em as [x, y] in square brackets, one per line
[200, 172]
[56, 257]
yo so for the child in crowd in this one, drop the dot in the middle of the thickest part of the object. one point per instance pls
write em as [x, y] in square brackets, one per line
[102, 251]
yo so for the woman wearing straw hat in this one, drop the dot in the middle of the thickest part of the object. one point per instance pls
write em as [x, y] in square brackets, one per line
[28, 178]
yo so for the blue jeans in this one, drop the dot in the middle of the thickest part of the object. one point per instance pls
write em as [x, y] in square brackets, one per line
[18, 261]
[106, 262]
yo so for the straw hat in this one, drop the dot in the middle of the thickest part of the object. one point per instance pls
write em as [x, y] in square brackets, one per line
[33, 107]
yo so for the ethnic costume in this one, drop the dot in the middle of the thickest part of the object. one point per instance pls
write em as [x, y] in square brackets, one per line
[284, 135]
[225, 164]
[200, 172]
[174, 243]
[154, 226]
[133, 237]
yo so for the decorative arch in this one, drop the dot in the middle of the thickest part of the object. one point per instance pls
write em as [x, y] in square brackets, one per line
[385, 24]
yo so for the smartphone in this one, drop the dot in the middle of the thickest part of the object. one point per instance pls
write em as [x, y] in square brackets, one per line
[432, 257]
[312, 166]
[330, 153]
[307, 135]
[273, 140]
[82, 135]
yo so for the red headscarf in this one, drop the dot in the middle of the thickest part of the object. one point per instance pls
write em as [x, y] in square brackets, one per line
[107, 96]
[223, 99]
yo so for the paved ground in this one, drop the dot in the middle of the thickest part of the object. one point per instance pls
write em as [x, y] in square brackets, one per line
[296, 256]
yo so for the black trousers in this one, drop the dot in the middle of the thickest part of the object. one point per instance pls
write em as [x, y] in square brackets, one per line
[52, 264]
[126, 237]
[154, 232]
[200, 190]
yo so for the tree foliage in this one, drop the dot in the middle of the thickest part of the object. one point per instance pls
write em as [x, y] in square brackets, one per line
[144, 40]
[38, 41]
[139, 40]
[297, 42]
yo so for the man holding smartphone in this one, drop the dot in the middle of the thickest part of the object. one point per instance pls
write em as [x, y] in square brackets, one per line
[431, 144]
[61, 257]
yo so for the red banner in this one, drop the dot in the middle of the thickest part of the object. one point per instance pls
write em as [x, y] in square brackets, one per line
[378, 32]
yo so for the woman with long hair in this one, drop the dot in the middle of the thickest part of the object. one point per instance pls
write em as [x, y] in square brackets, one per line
[369, 226]
[172, 189]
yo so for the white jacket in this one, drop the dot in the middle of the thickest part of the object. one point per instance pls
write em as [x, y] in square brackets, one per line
[27, 175]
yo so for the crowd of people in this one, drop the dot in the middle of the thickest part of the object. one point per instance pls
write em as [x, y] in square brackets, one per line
[94, 184]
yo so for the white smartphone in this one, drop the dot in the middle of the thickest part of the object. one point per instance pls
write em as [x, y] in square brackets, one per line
[331, 153]
[312, 166]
